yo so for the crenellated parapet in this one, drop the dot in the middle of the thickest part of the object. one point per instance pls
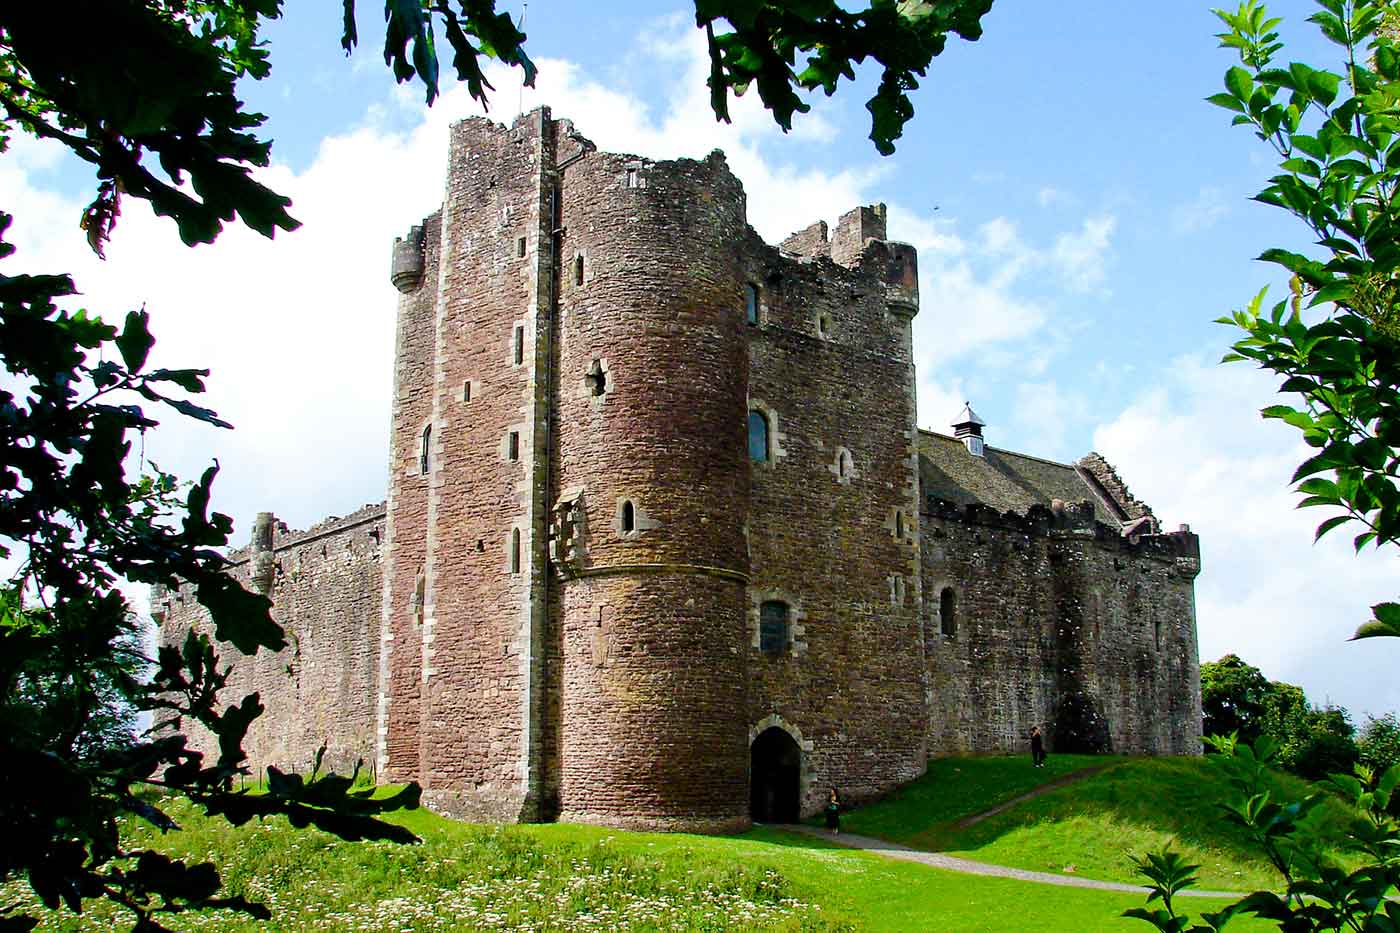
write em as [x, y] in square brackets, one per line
[1072, 520]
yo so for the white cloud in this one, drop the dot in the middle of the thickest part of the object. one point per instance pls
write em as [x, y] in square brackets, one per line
[1201, 213]
[1194, 448]
[1079, 257]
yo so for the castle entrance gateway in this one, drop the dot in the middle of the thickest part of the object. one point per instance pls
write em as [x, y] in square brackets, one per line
[775, 777]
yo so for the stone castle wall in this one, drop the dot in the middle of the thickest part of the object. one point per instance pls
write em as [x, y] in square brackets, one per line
[325, 586]
[557, 612]
[1046, 606]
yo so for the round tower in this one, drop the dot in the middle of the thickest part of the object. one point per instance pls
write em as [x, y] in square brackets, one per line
[650, 494]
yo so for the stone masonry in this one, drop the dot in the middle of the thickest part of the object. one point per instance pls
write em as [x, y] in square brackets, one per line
[664, 547]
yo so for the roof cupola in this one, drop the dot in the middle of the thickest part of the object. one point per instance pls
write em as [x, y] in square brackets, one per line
[967, 427]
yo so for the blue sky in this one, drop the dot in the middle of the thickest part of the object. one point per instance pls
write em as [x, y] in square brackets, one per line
[1082, 216]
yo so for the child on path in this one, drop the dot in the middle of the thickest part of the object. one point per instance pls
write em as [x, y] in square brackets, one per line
[833, 812]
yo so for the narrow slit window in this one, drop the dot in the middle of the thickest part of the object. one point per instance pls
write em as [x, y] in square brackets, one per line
[515, 550]
[631, 178]
[629, 517]
[758, 437]
[578, 269]
[843, 465]
[520, 247]
[425, 451]
[751, 304]
[773, 628]
[899, 525]
[467, 391]
[947, 612]
[597, 379]
[513, 446]
[1157, 633]
[518, 344]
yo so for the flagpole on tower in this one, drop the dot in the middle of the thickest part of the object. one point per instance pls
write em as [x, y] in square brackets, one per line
[520, 101]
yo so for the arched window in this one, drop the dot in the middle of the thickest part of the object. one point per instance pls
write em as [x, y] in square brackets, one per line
[843, 464]
[425, 451]
[629, 517]
[773, 627]
[751, 303]
[947, 612]
[758, 436]
[515, 550]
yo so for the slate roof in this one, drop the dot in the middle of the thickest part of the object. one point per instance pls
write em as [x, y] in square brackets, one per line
[1002, 480]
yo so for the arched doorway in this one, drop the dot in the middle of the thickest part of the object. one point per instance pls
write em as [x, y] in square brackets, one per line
[775, 777]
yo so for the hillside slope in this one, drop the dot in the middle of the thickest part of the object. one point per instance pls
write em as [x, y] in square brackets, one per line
[1090, 827]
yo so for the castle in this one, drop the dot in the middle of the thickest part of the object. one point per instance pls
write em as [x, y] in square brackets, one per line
[664, 546]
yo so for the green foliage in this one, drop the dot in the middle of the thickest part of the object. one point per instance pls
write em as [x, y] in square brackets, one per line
[1233, 698]
[1337, 137]
[1319, 892]
[145, 91]
[1237, 700]
[779, 48]
[1379, 744]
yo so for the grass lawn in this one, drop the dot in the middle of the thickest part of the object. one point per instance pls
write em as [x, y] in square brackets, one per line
[560, 877]
[1088, 828]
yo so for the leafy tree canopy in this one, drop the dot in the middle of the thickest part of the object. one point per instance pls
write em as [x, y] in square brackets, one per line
[1336, 342]
[779, 48]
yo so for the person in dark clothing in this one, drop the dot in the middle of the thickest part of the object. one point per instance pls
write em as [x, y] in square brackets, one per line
[1037, 748]
[833, 812]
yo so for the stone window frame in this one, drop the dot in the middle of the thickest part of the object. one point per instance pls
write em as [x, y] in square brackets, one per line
[844, 478]
[516, 432]
[599, 365]
[797, 622]
[776, 437]
[517, 345]
[899, 590]
[944, 625]
[760, 305]
[471, 390]
[825, 325]
[425, 449]
[634, 175]
[641, 521]
[515, 550]
[899, 524]
[580, 269]
[521, 247]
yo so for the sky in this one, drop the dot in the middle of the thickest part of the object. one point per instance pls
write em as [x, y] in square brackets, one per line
[1082, 216]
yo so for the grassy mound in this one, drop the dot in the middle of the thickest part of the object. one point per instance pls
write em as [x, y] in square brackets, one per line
[578, 878]
[1090, 827]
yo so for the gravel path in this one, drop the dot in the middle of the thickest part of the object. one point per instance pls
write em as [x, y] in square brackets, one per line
[967, 866]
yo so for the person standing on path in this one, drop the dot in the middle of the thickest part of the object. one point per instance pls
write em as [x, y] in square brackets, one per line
[833, 812]
[1037, 748]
